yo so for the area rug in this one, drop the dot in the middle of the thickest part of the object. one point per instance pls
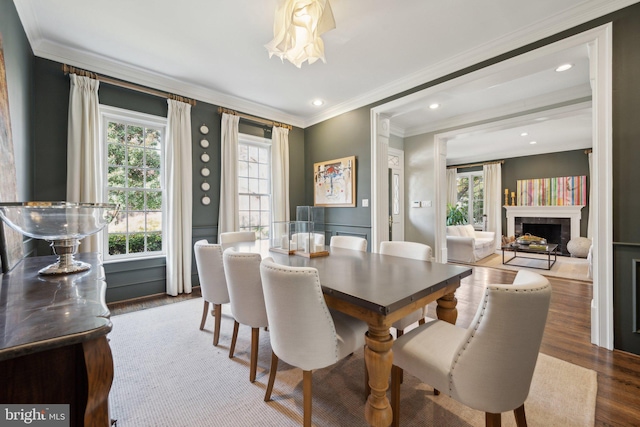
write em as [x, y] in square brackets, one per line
[565, 267]
[168, 373]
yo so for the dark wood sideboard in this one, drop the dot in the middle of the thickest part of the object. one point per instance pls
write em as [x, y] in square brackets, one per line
[53, 339]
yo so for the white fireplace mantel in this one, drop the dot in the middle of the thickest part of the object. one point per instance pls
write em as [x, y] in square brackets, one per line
[572, 212]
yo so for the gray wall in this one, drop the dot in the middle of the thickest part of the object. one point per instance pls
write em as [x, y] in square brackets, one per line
[19, 68]
[419, 180]
[132, 279]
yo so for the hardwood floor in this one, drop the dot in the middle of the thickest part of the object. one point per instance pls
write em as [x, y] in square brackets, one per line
[567, 336]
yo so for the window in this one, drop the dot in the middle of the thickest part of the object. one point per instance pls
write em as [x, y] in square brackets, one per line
[134, 145]
[254, 185]
[471, 197]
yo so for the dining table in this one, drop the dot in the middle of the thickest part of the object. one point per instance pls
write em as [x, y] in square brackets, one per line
[378, 289]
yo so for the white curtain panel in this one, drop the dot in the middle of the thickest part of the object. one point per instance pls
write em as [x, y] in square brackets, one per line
[85, 158]
[280, 174]
[590, 219]
[452, 186]
[179, 198]
[228, 215]
[492, 199]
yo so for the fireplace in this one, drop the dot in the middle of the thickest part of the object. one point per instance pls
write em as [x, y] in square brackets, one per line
[554, 230]
[567, 217]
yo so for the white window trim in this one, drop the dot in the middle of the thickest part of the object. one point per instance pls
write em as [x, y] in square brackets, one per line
[108, 112]
[470, 175]
[263, 143]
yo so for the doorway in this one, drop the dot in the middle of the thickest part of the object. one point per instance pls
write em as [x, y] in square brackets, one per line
[396, 194]
[598, 41]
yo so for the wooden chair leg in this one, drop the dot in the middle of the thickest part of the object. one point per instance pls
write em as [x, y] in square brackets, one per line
[521, 419]
[218, 317]
[272, 376]
[306, 392]
[204, 315]
[255, 339]
[436, 392]
[234, 338]
[396, 375]
[492, 420]
[399, 333]
[422, 321]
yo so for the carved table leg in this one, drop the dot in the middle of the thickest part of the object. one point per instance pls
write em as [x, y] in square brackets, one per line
[446, 309]
[378, 359]
[99, 363]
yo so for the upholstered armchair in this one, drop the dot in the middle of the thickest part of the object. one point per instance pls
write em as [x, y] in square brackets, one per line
[303, 331]
[237, 236]
[489, 365]
[349, 242]
[466, 245]
[247, 300]
[213, 283]
[412, 250]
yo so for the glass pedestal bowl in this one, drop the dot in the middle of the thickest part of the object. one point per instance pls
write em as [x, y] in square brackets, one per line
[63, 224]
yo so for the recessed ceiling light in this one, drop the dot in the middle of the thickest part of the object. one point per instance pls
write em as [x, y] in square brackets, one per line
[434, 106]
[317, 102]
[533, 142]
[524, 134]
[564, 67]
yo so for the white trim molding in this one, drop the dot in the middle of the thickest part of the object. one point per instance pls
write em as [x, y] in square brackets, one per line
[572, 212]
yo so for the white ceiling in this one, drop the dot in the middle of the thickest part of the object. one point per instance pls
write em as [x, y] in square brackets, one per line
[214, 51]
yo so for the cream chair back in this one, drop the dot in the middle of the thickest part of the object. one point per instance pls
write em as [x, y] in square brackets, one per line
[242, 270]
[237, 236]
[301, 328]
[349, 242]
[209, 264]
[495, 363]
[411, 250]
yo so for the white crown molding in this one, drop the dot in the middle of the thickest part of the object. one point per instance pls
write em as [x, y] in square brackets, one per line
[527, 34]
[570, 96]
[508, 42]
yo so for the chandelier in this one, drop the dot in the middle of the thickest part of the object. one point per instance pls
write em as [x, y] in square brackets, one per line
[297, 28]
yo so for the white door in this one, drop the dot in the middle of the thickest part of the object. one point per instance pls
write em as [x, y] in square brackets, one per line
[396, 194]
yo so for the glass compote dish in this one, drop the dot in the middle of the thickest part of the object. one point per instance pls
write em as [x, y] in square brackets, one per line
[63, 224]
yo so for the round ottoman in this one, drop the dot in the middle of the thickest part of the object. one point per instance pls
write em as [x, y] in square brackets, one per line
[579, 247]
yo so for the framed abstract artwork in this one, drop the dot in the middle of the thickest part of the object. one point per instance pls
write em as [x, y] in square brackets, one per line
[334, 182]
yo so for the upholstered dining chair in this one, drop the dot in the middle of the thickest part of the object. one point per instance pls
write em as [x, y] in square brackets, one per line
[412, 250]
[247, 300]
[349, 242]
[213, 283]
[489, 365]
[236, 236]
[304, 332]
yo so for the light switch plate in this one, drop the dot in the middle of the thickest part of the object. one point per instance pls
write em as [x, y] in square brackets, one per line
[365, 203]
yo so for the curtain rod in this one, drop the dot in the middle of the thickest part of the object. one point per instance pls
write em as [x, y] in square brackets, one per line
[588, 151]
[68, 69]
[474, 164]
[254, 118]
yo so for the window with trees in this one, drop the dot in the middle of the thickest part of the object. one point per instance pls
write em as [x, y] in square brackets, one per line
[471, 197]
[254, 185]
[134, 144]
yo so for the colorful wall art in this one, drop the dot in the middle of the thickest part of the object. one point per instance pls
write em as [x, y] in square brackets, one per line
[335, 182]
[562, 191]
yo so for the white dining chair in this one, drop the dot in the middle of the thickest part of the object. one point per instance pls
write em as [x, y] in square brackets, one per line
[304, 332]
[242, 270]
[213, 283]
[412, 250]
[236, 236]
[487, 366]
[349, 242]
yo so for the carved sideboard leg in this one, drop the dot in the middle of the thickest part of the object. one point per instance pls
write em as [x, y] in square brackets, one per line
[99, 363]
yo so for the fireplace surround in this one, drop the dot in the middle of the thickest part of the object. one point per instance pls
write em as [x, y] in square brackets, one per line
[561, 222]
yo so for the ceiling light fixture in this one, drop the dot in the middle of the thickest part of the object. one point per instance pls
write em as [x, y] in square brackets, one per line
[317, 102]
[564, 67]
[533, 142]
[434, 106]
[524, 134]
[297, 28]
